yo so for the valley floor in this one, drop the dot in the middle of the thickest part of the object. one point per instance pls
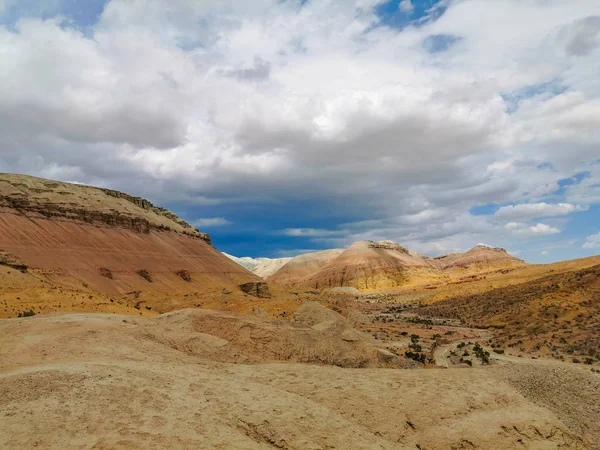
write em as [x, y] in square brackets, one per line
[110, 381]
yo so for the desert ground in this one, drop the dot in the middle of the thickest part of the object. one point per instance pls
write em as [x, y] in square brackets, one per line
[123, 327]
[181, 380]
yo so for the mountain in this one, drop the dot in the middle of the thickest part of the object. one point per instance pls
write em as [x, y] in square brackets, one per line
[103, 247]
[302, 266]
[478, 255]
[370, 265]
[263, 267]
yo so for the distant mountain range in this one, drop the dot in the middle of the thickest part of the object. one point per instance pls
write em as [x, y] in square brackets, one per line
[369, 265]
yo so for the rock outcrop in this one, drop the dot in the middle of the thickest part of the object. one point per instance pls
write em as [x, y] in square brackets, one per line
[36, 197]
[258, 289]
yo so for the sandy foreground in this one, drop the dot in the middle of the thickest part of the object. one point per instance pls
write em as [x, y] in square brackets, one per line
[110, 381]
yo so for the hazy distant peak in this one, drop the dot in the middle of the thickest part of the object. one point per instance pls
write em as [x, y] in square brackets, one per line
[263, 267]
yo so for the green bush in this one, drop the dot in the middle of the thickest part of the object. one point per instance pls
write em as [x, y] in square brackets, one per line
[29, 313]
[419, 357]
[481, 354]
[415, 347]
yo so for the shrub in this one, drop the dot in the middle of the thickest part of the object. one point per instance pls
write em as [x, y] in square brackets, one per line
[415, 347]
[499, 351]
[419, 357]
[29, 313]
[481, 354]
[576, 360]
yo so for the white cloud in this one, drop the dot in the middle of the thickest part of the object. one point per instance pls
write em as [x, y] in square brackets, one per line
[211, 222]
[592, 241]
[533, 210]
[544, 252]
[539, 229]
[275, 101]
[310, 232]
[514, 225]
[522, 229]
[406, 6]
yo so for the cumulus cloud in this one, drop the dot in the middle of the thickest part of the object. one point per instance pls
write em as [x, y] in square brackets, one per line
[533, 210]
[406, 6]
[273, 101]
[539, 229]
[583, 36]
[514, 225]
[592, 241]
[311, 232]
[211, 222]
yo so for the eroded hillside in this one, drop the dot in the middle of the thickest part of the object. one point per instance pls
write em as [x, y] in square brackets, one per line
[101, 247]
[557, 315]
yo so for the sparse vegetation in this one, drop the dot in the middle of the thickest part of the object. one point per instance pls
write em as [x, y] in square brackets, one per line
[420, 357]
[481, 354]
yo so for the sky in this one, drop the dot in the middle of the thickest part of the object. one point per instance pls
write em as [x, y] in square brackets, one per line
[285, 126]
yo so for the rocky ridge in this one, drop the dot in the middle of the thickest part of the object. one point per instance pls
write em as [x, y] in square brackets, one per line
[38, 197]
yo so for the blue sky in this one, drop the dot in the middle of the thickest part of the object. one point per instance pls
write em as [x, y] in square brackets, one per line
[286, 126]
